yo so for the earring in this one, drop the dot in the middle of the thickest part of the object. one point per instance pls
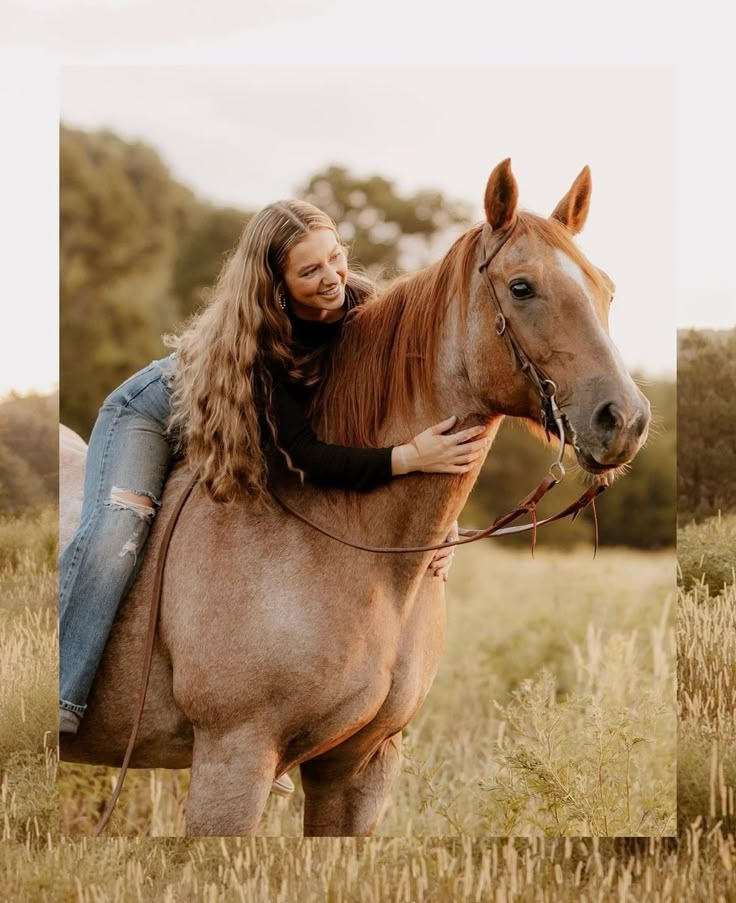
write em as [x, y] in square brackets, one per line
[282, 299]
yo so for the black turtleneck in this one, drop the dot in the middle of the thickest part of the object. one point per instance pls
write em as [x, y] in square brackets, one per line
[323, 463]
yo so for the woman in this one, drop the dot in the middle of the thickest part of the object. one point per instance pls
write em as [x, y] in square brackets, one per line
[236, 388]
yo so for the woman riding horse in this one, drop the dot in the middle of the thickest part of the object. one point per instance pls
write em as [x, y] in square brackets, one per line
[277, 646]
[237, 387]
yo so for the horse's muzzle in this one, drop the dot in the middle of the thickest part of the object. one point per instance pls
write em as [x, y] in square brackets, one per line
[616, 433]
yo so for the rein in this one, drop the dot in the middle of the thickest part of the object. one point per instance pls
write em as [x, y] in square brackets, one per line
[550, 415]
[148, 657]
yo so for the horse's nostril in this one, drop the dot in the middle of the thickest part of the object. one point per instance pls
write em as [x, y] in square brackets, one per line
[642, 422]
[608, 417]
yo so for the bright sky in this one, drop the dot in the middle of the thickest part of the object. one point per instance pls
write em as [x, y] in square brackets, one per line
[231, 96]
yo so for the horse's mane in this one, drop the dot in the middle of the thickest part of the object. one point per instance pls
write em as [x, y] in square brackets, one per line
[386, 354]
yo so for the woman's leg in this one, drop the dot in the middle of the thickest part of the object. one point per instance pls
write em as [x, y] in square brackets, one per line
[127, 463]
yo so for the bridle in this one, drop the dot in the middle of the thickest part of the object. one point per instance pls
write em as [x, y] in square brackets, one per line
[550, 416]
[546, 388]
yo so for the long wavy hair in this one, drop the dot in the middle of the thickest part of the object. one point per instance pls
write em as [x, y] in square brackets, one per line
[226, 355]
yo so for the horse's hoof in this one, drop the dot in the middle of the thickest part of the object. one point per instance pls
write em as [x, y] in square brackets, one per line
[284, 786]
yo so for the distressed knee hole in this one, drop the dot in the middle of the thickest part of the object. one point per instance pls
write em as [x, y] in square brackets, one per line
[143, 507]
[141, 504]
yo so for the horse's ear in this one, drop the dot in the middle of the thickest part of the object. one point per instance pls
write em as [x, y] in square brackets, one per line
[572, 211]
[502, 195]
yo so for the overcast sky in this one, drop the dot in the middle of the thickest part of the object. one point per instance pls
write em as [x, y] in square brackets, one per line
[244, 103]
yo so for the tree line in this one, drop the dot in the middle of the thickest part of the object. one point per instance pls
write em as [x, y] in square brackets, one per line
[706, 459]
[28, 452]
[139, 253]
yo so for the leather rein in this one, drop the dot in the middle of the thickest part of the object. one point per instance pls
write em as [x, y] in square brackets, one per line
[550, 416]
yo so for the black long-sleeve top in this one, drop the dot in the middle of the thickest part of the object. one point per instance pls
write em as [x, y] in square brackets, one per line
[323, 462]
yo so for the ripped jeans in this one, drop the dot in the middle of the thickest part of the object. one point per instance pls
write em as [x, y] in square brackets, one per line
[129, 451]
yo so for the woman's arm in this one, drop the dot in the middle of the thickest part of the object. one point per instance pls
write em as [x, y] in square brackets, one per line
[363, 468]
[323, 462]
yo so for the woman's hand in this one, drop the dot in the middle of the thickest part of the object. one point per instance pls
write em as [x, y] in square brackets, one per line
[442, 562]
[434, 452]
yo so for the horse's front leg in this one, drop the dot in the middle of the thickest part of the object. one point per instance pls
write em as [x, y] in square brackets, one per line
[232, 774]
[346, 789]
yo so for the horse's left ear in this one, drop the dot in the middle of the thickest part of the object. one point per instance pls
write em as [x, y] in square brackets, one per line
[502, 195]
[572, 211]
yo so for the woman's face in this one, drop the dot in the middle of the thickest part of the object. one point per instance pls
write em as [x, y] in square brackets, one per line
[315, 272]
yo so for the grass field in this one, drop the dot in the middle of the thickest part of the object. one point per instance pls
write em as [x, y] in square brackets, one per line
[553, 712]
[706, 672]
[555, 694]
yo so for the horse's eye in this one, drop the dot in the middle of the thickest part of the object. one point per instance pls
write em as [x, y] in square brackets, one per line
[610, 300]
[521, 289]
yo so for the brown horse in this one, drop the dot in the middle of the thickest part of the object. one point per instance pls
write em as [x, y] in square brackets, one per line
[278, 646]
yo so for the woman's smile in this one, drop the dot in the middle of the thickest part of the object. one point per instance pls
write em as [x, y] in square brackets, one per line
[315, 273]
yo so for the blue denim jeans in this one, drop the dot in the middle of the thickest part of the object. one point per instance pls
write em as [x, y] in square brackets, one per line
[128, 450]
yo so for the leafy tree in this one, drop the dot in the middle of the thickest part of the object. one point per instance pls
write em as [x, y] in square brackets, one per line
[202, 252]
[120, 218]
[139, 254]
[29, 456]
[28, 430]
[378, 221]
[706, 370]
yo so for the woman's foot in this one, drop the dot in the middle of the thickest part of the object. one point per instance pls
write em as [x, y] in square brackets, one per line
[68, 721]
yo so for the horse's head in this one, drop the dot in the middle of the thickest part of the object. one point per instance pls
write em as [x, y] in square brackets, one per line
[555, 304]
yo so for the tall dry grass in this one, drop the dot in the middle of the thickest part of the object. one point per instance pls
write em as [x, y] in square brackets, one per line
[707, 673]
[582, 635]
[374, 870]
[28, 795]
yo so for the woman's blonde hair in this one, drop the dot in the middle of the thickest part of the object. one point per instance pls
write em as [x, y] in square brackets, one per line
[225, 356]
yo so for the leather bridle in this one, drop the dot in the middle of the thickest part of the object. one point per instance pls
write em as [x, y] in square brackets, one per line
[550, 416]
[534, 373]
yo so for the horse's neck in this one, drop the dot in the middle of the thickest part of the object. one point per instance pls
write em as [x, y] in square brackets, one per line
[417, 509]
